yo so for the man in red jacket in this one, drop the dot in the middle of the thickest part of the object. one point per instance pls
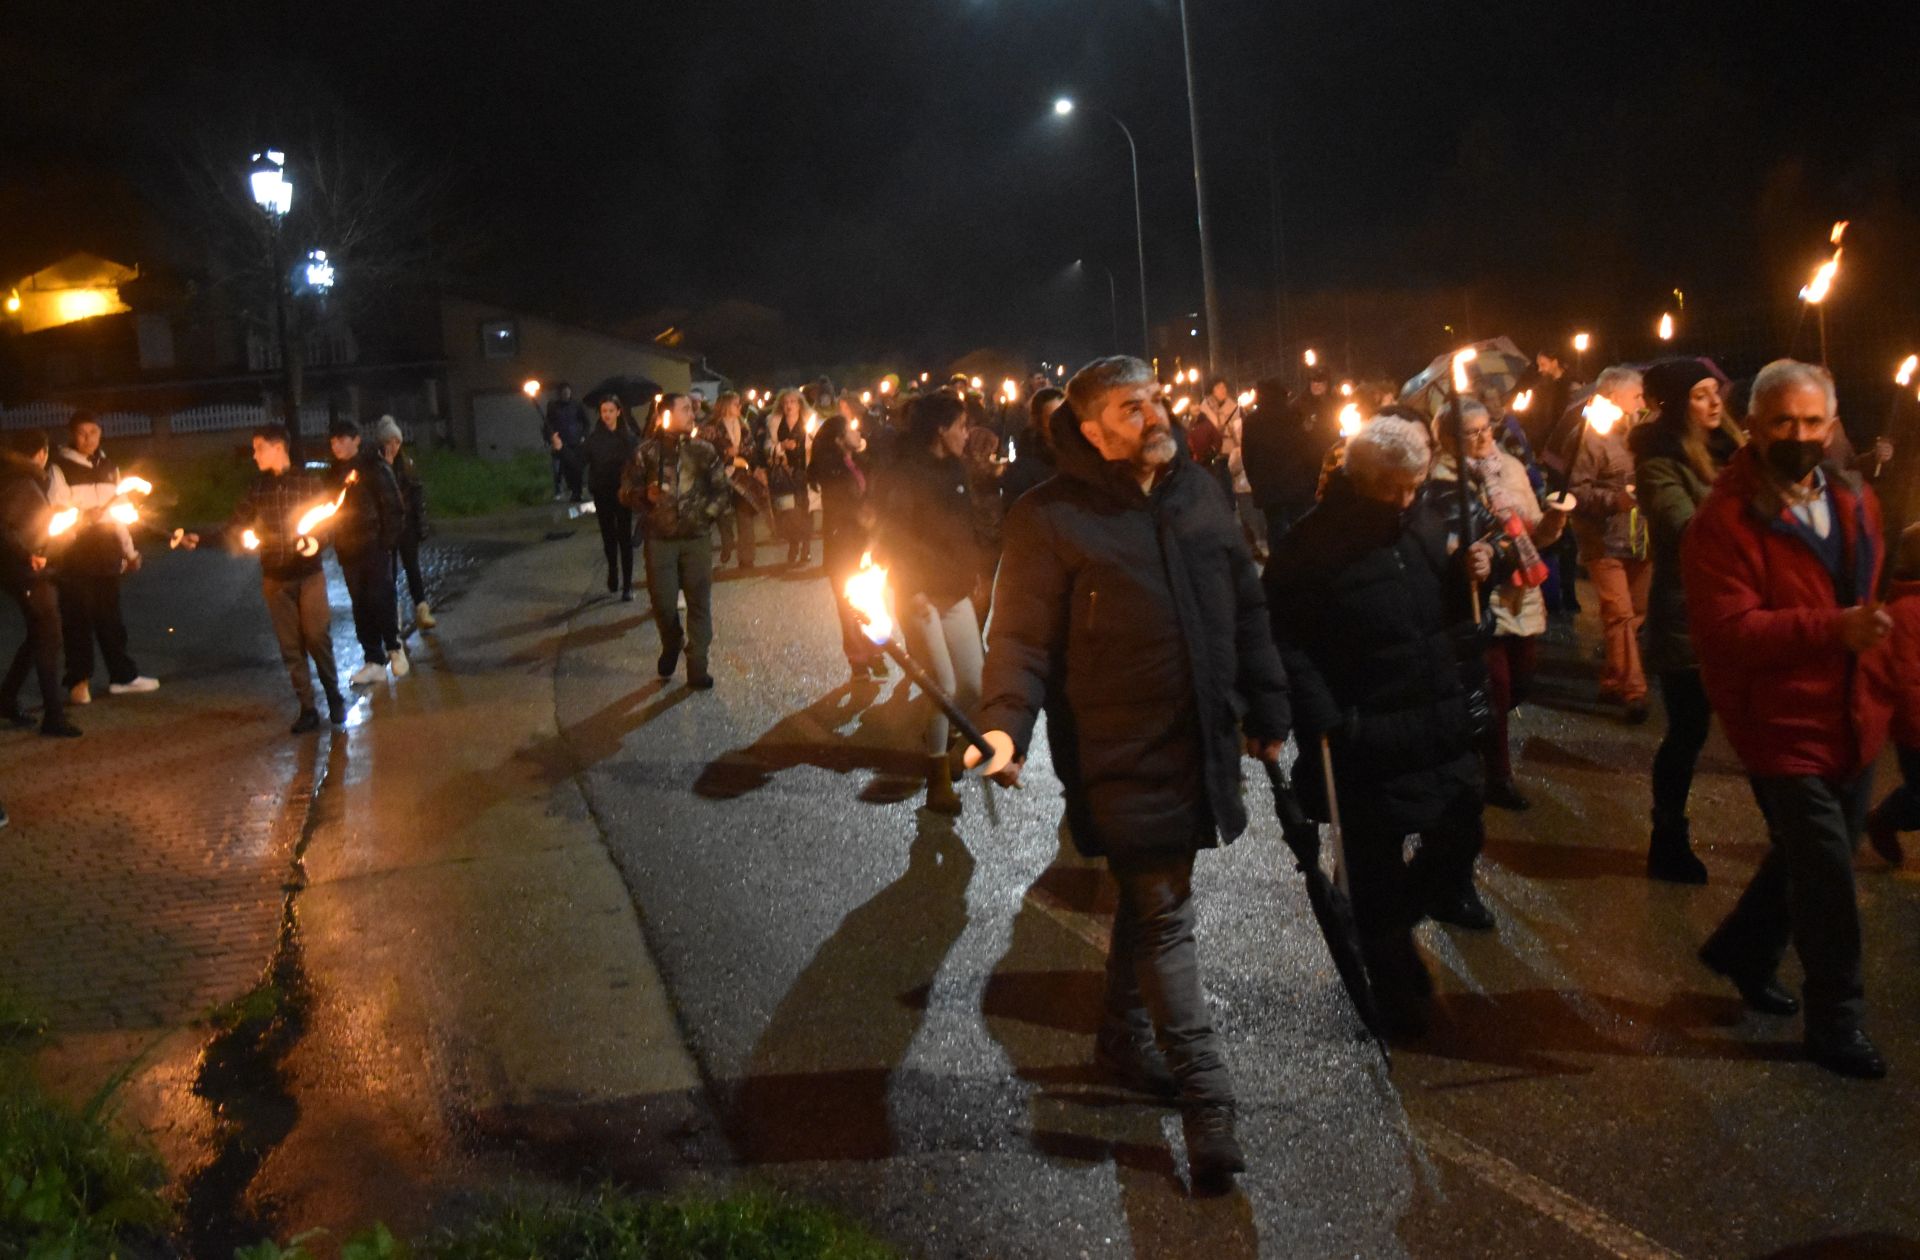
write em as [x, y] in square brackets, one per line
[1781, 564]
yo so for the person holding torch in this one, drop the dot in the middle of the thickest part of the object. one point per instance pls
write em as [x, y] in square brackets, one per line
[28, 524]
[1128, 609]
[99, 554]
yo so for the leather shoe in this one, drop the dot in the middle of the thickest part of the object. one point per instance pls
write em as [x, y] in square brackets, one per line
[1761, 993]
[1502, 794]
[1213, 1153]
[1463, 910]
[669, 660]
[1847, 1054]
[1884, 837]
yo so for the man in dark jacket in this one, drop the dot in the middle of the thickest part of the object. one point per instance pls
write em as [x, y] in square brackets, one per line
[292, 581]
[366, 530]
[1370, 605]
[25, 515]
[564, 430]
[1033, 460]
[678, 487]
[1129, 610]
[100, 551]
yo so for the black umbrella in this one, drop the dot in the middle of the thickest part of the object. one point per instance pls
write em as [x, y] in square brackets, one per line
[633, 391]
[1332, 909]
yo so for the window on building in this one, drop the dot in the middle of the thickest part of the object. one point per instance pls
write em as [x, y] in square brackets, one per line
[499, 339]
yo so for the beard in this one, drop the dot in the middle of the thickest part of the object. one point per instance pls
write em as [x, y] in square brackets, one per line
[1156, 447]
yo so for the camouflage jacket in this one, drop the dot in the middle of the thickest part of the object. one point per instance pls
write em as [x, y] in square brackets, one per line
[677, 487]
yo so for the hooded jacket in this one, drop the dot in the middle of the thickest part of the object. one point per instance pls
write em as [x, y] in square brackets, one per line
[690, 485]
[372, 516]
[1374, 625]
[1765, 614]
[24, 512]
[1135, 620]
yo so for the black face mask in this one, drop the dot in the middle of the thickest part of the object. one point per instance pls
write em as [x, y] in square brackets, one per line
[1791, 459]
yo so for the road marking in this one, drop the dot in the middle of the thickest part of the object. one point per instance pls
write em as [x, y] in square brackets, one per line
[1085, 926]
[1509, 1178]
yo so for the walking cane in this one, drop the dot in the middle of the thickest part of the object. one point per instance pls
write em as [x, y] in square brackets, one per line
[1335, 839]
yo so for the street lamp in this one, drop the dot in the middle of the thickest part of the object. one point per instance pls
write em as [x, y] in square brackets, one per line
[272, 191]
[1113, 298]
[1208, 289]
[1065, 106]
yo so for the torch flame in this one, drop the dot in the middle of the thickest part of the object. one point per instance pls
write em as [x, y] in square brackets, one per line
[531, 389]
[1523, 400]
[250, 540]
[866, 593]
[1602, 414]
[1581, 341]
[134, 485]
[1816, 289]
[813, 425]
[886, 386]
[312, 518]
[1346, 389]
[123, 514]
[1666, 327]
[1247, 398]
[866, 398]
[62, 521]
[1312, 359]
[1905, 375]
[1181, 404]
[1350, 421]
[976, 382]
[1839, 230]
[1462, 378]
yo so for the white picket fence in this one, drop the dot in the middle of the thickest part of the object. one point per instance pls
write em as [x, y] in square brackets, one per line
[213, 418]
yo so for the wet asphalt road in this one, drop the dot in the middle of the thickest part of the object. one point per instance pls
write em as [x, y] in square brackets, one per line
[894, 1011]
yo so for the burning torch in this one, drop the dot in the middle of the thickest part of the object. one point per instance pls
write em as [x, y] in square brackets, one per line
[1461, 378]
[866, 594]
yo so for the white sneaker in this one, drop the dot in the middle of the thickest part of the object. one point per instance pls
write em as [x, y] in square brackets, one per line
[134, 688]
[398, 663]
[367, 675]
[423, 616]
[80, 693]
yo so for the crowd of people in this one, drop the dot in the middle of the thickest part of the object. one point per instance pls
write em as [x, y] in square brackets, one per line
[1177, 577]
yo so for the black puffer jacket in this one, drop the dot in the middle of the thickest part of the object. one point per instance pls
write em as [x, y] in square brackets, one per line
[1136, 622]
[24, 512]
[1373, 622]
[372, 516]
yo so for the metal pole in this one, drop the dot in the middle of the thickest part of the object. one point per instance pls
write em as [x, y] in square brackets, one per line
[1113, 301]
[1200, 200]
[1139, 235]
[289, 402]
[1822, 312]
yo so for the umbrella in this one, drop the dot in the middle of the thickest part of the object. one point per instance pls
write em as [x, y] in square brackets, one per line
[634, 391]
[1497, 362]
[1332, 908]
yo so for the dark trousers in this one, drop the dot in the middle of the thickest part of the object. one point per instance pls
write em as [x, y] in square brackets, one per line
[1803, 893]
[408, 556]
[1902, 806]
[616, 538]
[675, 565]
[1390, 894]
[1688, 717]
[1511, 660]
[376, 619]
[568, 468]
[90, 611]
[1153, 970]
[303, 627]
[39, 606]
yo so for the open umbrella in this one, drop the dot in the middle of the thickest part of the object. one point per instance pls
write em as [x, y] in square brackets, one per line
[635, 391]
[1332, 908]
[1497, 362]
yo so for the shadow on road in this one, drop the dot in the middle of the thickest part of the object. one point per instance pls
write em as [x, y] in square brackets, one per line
[1044, 1016]
[811, 737]
[816, 1085]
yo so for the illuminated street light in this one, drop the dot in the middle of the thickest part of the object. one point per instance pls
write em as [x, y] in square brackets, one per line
[272, 189]
[1064, 106]
[273, 192]
[319, 270]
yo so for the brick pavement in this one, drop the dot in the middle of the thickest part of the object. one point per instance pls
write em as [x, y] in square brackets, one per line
[141, 882]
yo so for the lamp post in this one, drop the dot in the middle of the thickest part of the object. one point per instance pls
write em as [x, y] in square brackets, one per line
[273, 193]
[1208, 289]
[1063, 107]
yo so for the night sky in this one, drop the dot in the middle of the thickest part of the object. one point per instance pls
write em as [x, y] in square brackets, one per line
[888, 175]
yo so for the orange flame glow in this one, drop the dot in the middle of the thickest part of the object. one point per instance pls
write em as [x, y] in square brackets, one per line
[1907, 367]
[1462, 378]
[866, 593]
[1816, 289]
[123, 514]
[313, 517]
[1666, 327]
[1839, 230]
[1523, 400]
[1602, 414]
[250, 540]
[1350, 421]
[62, 521]
[134, 485]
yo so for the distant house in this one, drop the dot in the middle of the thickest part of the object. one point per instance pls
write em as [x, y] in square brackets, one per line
[157, 357]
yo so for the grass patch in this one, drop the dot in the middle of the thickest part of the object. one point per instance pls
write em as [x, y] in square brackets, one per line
[207, 487]
[610, 1226]
[461, 484]
[259, 1005]
[69, 1185]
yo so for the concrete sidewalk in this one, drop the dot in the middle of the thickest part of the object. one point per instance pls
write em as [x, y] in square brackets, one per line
[480, 988]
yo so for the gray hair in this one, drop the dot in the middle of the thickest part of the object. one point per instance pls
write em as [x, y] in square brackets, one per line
[1782, 375]
[1091, 383]
[1615, 377]
[1387, 446]
[1469, 408]
[385, 430]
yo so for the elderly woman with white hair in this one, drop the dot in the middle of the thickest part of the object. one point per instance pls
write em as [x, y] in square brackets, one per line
[1371, 611]
[413, 530]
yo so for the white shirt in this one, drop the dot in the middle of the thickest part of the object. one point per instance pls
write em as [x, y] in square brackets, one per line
[1815, 511]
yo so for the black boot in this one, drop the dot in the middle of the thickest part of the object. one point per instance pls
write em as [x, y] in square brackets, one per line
[1883, 833]
[1402, 985]
[1130, 1057]
[1670, 855]
[1213, 1153]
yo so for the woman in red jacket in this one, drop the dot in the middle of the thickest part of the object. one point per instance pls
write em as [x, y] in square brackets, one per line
[1781, 563]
